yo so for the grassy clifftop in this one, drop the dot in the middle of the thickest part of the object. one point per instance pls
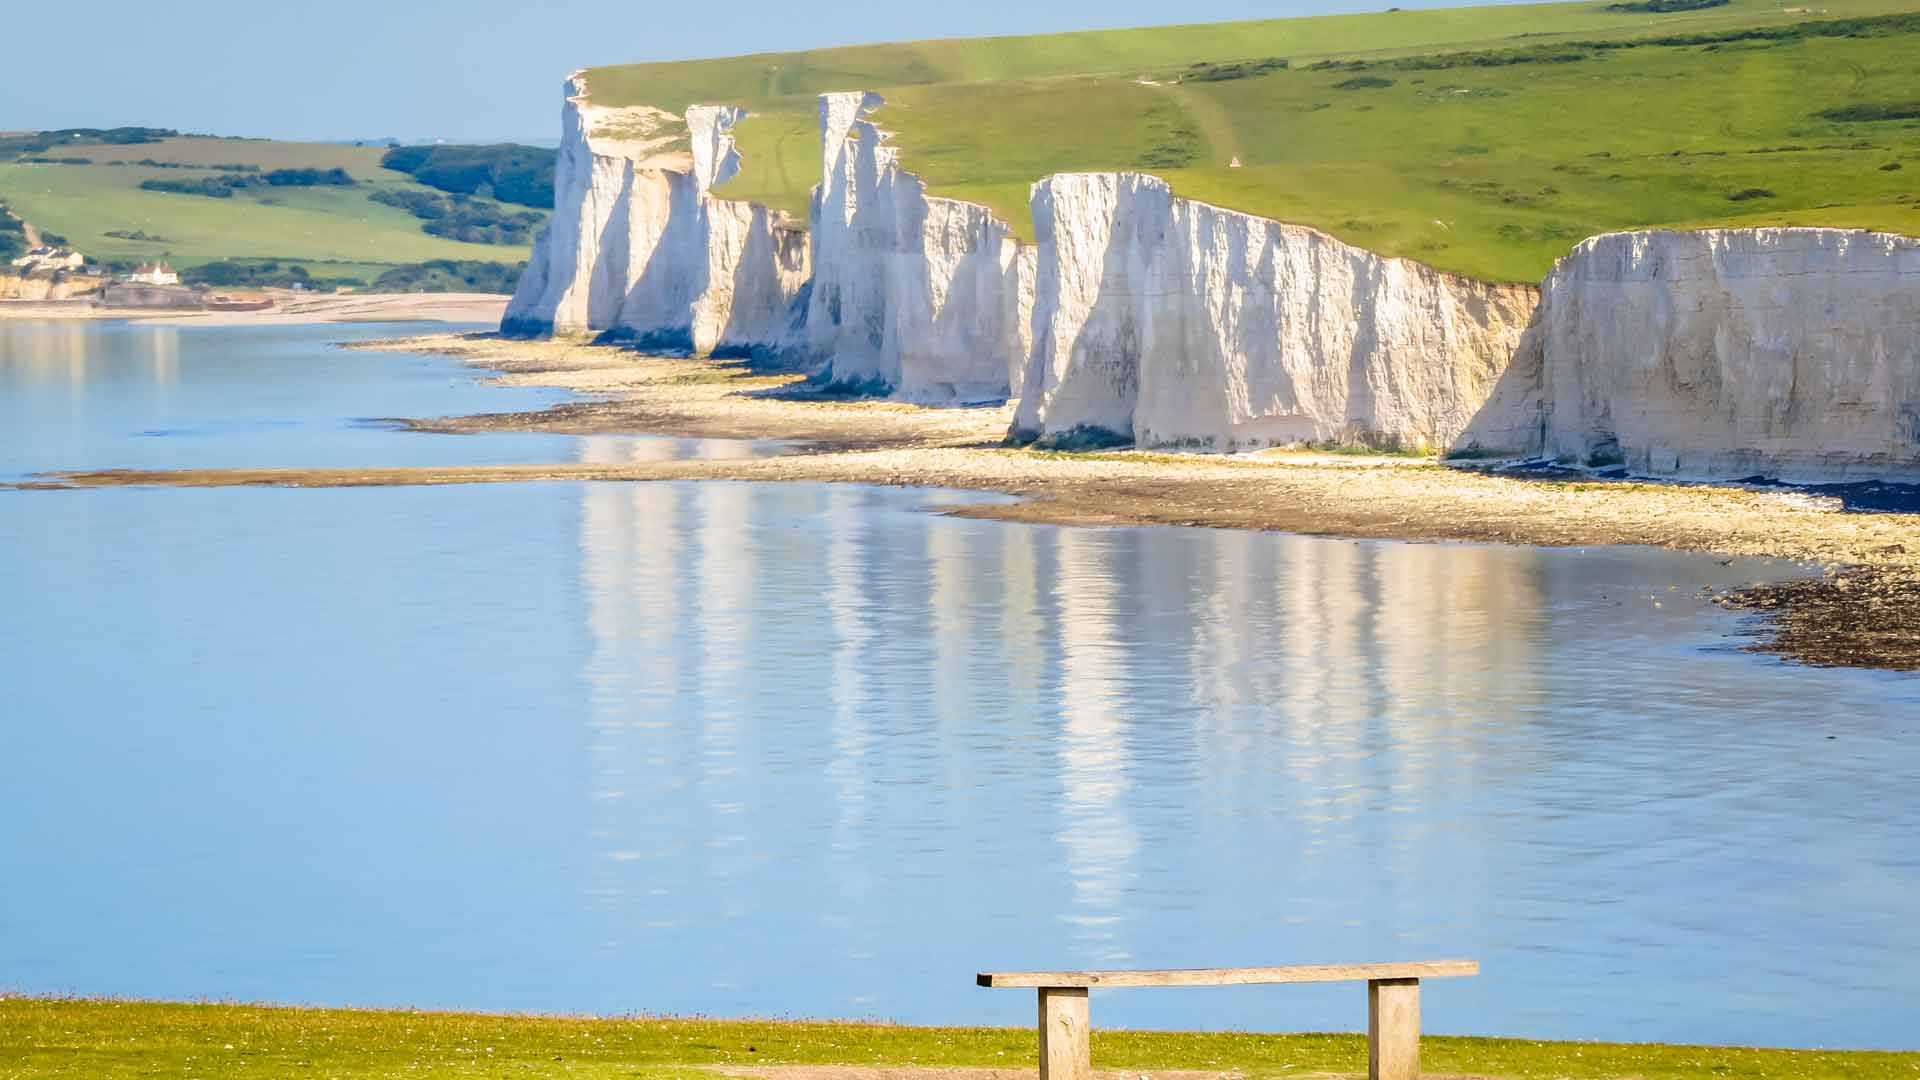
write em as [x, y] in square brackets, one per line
[1482, 140]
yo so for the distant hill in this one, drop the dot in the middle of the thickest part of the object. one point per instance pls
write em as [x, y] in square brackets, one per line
[1481, 140]
[255, 209]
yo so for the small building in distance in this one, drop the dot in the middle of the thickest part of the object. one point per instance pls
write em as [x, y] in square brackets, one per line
[157, 274]
[49, 260]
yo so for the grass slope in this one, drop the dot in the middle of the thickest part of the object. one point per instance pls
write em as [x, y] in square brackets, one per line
[334, 231]
[1490, 170]
[105, 1040]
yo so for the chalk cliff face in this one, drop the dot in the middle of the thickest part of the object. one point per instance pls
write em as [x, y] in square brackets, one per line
[926, 296]
[1792, 353]
[1182, 324]
[17, 287]
[1786, 352]
[639, 248]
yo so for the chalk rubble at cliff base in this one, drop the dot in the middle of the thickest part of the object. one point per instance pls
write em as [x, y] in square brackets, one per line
[1141, 316]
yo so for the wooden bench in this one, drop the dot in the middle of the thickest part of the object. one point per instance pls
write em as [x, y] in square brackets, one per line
[1393, 1006]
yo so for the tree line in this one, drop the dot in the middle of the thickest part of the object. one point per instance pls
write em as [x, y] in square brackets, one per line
[223, 187]
[511, 173]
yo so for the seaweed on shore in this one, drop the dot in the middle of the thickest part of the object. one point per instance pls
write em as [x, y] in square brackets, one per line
[1862, 617]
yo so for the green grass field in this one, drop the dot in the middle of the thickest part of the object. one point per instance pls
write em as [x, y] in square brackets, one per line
[1492, 169]
[333, 231]
[204, 151]
[105, 1040]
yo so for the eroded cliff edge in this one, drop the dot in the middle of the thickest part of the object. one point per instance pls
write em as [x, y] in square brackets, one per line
[1138, 315]
[640, 248]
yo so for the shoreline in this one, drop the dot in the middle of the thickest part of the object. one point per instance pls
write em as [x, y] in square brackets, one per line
[290, 309]
[114, 1038]
[1861, 609]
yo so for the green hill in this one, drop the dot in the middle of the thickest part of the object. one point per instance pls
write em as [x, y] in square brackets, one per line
[1482, 140]
[282, 202]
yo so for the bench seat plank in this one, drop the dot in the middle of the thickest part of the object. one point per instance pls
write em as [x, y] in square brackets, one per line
[1298, 973]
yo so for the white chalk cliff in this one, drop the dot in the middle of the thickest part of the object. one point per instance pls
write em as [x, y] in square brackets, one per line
[1183, 324]
[928, 297]
[1788, 352]
[1791, 353]
[638, 247]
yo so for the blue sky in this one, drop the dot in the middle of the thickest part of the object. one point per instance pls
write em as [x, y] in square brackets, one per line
[482, 69]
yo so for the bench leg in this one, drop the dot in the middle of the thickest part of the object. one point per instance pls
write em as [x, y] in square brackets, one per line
[1064, 1053]
[1393, 1029]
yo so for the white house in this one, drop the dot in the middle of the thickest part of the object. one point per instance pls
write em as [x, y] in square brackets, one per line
[49, 259]
[157, 274]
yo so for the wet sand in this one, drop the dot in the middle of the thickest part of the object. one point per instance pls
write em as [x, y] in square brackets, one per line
[1860, 605]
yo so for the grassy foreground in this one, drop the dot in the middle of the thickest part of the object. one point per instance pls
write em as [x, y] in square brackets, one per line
[68, 1038]
[1482, 140]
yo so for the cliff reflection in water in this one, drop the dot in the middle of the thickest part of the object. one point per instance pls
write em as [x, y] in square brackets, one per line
[814, 716]
[845, 752]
